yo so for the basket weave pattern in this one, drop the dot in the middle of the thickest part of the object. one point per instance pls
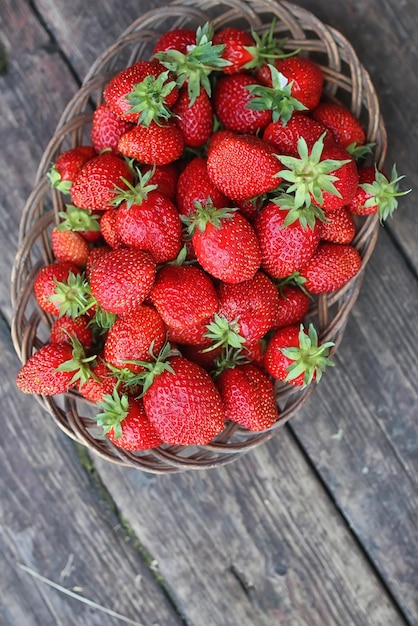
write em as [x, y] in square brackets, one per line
[345, 81]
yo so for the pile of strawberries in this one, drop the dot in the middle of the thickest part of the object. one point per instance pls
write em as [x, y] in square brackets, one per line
[215, 201]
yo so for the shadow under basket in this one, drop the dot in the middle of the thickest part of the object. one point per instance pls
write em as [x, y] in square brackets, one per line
[346, 81]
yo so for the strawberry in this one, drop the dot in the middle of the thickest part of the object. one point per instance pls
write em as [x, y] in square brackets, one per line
[376, 193]
[81, 221]
[330, 267]
[248, 397]
[193, 334]
[121, 279]
[46, 281]
[343, 124]
[165, 177]
[95, 254]
[285, 247]
[285, 136]
[69, 246]
[194, 185]
[296, 356]
[195, 121]
[338, 226]
[110, 230]
[225, 243]
[125, 423]
[156, 144]
[240, 117]
[54, 369]
[66, 166]
[94, 185]
[204, 355]
[177, 39]
[63, 328]
[183, 404]
[303, 75]
[250, 306]
[243, 166]
[293, 306]
[184, 296]
[141, 93]
[134, 337]
[102, 381]
[107, 128]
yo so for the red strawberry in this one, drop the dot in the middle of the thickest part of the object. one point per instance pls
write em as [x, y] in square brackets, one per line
[304, 75]
[101, 382]
[243, 166]
[95, 254]
[240, 117]
[330, 268]
[154, 144]
[142, 92]
[135, 337]
[338, 226]
[193, 334]
[63, 328]
[249, 306]
[204, 355]
[69, 246]
[125, 423]
[343, 124]
[121, 279]
[94, 185]
[195, 121]
[236, 42]
[184, 296]
[81, 221]
[184, 405]
[110, 230]
[295, 356]
[177, 39]
[217, 136]
[107, 128]
[285, 247]
[68, 163]
[194, 185]
[248, 397]
[293, 306]
[46, 282]
[165, 177]
[225, 244]
[285, 136]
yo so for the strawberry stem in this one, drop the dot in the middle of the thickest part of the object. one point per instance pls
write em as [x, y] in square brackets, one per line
[148, 98]
[384, 193]
[310, 358]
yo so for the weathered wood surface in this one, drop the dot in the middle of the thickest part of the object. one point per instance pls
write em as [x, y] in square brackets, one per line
[316, 527]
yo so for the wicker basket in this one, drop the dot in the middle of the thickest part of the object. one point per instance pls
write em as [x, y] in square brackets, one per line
[346, 81]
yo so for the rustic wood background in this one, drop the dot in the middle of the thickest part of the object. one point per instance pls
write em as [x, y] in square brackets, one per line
[319, 526]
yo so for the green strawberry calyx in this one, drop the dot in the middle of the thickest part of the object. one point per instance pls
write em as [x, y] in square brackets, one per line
[196, 65]
[307, 214]
[229, 359]
[148, 98]
[54, 176]
[359, 152]
[115, 408]
[159, 364]
[135, 194]
[267, 47]
[78, 220]
[309, 176]
[223, 332]
[72, 296]
[206, 213]
[80, 364]
[310, 358]
[277, 98]
[384, 193]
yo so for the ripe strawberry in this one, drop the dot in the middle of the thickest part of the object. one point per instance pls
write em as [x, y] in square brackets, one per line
[303, 75]
[293, 306]
[285, 247]
[121, 279]
[193, 334]
[110, 230]
[243, 166]
[183, 404]
[240, 117]
[63, 328]
[237, 48]
[107, 128]
[248, 397]
[141, 93]
[154, 144]
[125, 423]
[101, 382]
[204, 355]
[338, 226]
[195, 121]
[46, 282]
[225, 244]
[345, 127]
[330, 268]
[69, 246]
[66, 166]
[184, 296]
[250, 306]
[135, 337]
[94, 185]
[194, 185]
[95, 254]
[165, 177]
[296, 356]
[177, 39]
[376, 193]
[285, 136]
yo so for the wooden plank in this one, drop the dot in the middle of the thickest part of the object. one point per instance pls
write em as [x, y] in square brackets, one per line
[55, 521]
[255, 542]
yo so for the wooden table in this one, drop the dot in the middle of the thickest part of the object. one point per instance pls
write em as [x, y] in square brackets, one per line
[317, 527]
